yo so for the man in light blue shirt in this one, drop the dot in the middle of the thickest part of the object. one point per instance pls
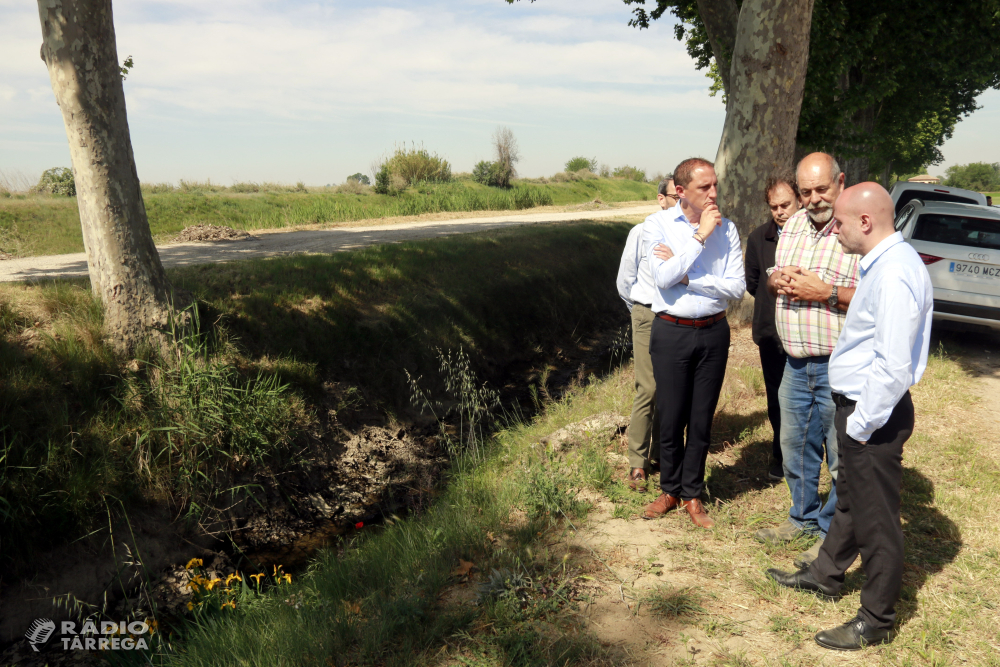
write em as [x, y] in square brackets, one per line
[635, 287]
[881, 353]
[696, 274]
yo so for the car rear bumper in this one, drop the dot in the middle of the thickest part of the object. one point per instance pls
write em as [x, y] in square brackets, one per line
[967, 312]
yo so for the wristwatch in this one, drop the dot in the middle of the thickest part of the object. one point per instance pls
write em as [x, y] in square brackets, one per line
[832, 301]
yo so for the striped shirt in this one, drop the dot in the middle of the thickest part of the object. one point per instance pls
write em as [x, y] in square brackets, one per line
[811, 328]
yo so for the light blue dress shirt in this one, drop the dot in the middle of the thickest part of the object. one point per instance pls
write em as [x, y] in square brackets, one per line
[882, 349]
[715, 271]
[635, 282]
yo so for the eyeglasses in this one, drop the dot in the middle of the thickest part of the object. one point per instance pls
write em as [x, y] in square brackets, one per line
[671, 196]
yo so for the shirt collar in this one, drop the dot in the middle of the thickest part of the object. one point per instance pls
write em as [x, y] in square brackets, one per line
[879, 250]
[676, 213]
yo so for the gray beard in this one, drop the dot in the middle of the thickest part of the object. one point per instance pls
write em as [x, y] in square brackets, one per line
[822, 216]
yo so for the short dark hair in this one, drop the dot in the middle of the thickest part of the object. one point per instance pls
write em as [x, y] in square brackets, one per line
[685, 170]
[662, 188]
[786, 177]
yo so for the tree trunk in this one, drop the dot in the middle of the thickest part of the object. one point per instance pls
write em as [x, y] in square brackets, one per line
[78, 47]
[767, 80]
[721, 19]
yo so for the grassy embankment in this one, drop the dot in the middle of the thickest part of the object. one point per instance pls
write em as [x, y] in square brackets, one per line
[556, 586]
[81, 426]
[44, 225]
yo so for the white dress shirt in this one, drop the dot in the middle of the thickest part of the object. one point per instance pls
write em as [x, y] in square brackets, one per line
[635, 282]
[715, 271]
[882, 349]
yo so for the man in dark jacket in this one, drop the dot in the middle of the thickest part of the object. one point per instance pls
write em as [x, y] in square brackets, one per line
[782, 196]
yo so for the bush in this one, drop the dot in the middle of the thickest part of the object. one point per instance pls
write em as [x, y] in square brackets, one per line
[978, 176]
[360, 178]
[57, 181]
[354, 187]
[407, 166]
[487, 173]
[629, 173]
[581, 175]
[580, 163]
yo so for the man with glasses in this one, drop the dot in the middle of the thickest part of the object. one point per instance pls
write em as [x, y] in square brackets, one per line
[635, 286]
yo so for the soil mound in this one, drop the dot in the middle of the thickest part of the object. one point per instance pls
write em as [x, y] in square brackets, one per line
[205, 233]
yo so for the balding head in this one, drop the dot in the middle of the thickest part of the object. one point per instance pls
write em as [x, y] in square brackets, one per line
[820, 183]
[864, 214]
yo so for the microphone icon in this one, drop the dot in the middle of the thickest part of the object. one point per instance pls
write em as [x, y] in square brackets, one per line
[39, 632]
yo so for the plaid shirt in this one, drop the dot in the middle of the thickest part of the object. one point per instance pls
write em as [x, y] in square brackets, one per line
[811, 328]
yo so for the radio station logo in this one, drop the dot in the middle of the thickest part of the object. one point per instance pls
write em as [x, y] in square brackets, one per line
[91, 636]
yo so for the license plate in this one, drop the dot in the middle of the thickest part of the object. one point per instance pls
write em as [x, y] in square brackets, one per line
[973, 271]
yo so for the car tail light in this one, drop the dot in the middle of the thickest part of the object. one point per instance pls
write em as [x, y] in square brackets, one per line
[929, 259]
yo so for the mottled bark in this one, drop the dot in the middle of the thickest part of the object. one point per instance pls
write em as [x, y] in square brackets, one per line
[79, 50]
[721, 19]
[767, 79]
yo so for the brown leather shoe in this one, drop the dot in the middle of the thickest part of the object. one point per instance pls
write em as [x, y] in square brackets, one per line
[637, 479]
[697, 512]
[660, 506]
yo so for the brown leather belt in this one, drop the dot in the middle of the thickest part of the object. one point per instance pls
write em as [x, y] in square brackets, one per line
[697, 323]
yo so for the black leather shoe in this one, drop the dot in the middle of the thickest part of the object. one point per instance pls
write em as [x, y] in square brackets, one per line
[776, 472]
[803, 581]
[853, 636]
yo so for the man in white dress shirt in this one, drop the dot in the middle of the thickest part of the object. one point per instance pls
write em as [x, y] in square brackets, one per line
[696, 274]
[635, 287]
[881, 353]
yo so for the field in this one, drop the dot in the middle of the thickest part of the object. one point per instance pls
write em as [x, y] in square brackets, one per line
[43, 225]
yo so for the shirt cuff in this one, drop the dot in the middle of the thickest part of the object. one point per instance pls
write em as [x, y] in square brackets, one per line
[857, 429]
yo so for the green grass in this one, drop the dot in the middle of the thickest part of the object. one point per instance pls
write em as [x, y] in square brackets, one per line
[51, 225]
[80, 425]
[389, 596]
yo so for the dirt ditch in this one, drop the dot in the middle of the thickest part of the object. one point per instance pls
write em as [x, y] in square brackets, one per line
[358, 472]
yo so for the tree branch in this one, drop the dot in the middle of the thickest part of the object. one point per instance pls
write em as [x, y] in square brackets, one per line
[721, 19]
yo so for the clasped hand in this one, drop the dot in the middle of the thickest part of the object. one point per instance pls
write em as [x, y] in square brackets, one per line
[800, 284]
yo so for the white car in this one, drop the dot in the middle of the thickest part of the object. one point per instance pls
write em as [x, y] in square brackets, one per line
[904, 192]
[960, 245]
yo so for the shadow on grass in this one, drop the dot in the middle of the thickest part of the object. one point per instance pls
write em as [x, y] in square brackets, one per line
[930, 542]
[749, 472]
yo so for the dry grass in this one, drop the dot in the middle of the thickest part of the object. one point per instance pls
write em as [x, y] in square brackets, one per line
[660, 574]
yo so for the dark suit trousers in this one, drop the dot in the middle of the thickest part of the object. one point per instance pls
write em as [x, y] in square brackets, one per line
[867, 518]
[689, 365]
[772, 362]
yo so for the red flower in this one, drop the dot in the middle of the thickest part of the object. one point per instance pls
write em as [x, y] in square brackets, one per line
[359, 524]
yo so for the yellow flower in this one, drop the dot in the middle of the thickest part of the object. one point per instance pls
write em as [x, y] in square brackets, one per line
[276, 568]
[235, 576]
[257, 577]
[287, 577]
[230, 604]
[209, 585]
[190, 606]
[194, 562]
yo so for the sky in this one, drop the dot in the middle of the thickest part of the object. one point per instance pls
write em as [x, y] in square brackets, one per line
[315, 91]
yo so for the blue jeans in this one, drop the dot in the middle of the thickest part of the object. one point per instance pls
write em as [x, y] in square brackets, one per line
[807, 412]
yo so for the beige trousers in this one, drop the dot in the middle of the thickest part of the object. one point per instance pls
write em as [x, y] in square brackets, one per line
[644, 428]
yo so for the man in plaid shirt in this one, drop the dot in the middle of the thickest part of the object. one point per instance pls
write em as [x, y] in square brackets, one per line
[814, 281]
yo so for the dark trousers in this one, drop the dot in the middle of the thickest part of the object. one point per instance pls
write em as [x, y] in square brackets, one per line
[772, 362]
[867, 518]
[689, 365]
